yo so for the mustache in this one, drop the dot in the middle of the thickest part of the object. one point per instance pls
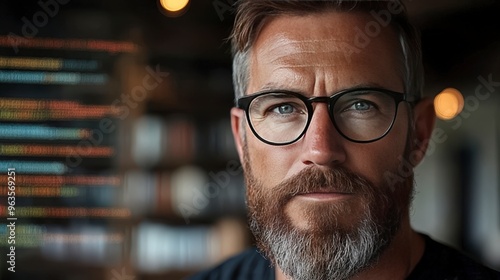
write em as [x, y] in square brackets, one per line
[314, 179]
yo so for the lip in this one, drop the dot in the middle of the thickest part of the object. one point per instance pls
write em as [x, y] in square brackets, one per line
[324, 196]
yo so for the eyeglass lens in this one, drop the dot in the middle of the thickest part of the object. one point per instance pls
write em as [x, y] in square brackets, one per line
[359, 115]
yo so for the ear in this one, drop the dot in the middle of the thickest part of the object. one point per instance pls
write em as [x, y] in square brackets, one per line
[424, 121]
[237, 126]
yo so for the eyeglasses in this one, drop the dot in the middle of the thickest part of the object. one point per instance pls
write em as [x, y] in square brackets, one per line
[361, 115]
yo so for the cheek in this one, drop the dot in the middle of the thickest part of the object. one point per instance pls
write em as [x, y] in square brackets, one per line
[375, 160]
[269, 164]
[393, 150]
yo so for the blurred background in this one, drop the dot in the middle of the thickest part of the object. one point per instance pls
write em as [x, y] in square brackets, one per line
[114, 117]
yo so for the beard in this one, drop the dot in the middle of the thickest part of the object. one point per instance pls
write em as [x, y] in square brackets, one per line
[342, 237]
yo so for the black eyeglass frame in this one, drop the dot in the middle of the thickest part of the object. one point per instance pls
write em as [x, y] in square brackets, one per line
[244, 104]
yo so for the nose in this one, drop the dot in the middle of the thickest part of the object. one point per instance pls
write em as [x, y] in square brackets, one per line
[322, 143]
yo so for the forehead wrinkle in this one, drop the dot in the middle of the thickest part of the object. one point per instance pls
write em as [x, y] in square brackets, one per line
[283, 58]
[283, 41]
[328, 59]
[290, 47]
[303, 66]
[293, 53]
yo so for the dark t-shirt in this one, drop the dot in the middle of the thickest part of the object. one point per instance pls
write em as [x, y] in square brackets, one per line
[439, 262]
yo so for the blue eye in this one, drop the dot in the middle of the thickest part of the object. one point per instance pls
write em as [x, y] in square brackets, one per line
[362, 106]
[285, 109]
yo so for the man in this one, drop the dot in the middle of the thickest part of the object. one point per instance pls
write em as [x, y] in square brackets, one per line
[329, 110]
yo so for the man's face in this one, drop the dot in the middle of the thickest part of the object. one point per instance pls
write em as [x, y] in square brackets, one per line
[324, 190]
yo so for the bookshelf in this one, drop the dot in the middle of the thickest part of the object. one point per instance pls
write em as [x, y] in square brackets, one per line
[122, 148]
[116, 167]
[54, 103]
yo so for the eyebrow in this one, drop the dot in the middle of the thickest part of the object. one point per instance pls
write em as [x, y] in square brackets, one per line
[278, 87]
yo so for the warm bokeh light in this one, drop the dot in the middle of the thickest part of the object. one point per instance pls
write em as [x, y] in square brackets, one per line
[448, 104]
[174, 5]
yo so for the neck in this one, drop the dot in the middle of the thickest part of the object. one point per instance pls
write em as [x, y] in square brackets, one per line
[396, 262]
